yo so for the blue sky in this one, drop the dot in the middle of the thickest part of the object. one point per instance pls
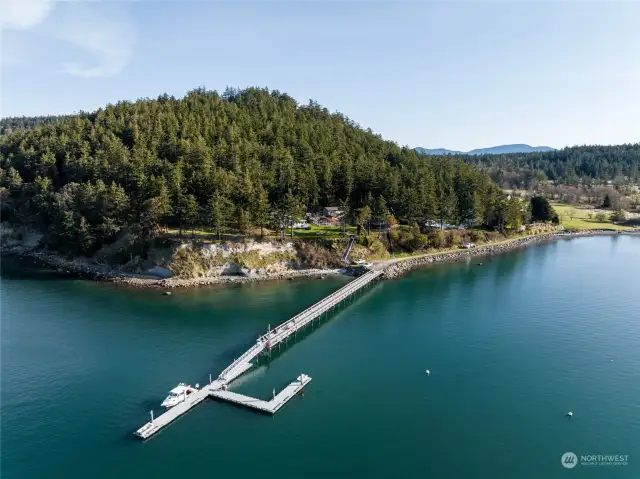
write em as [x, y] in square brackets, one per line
[452, 74]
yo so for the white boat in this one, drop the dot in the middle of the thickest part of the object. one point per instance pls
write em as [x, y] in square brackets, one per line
[178, 394]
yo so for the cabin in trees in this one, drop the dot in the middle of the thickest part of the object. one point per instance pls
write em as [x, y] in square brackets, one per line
[332, 212]
[327, 216]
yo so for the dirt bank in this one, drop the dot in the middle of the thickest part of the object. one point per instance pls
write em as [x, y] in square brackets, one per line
[97, 272]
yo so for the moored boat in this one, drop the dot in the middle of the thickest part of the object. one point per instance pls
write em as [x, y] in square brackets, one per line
[178, 394]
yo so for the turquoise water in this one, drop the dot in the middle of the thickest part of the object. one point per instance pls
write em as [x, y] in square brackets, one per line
[512, 346]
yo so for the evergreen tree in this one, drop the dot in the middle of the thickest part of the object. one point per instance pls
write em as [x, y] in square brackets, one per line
[466, 197]
[217, 213]
[260, 209]
[379, 210]
[294, 210]
[513, 213]
[541, 209]
[363, 217]
[187, 211]
[242, 220]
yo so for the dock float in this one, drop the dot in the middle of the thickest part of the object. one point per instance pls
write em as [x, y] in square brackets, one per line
[271, 406]
[153, 426]
[264, 345]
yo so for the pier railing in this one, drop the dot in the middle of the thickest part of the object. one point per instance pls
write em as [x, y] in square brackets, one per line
[300, 320]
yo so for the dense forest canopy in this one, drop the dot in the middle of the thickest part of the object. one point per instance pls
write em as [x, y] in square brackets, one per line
[575, 165]
[9, 124]
[245, 158]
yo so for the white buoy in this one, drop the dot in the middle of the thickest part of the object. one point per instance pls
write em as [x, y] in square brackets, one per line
[610, 360]
[428, 372]
[569, 414]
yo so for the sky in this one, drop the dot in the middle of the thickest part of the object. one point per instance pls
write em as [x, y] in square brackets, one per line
[453, 74]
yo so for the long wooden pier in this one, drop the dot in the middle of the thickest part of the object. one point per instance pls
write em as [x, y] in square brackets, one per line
[218, 387]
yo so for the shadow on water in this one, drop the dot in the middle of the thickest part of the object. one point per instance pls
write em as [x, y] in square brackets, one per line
[229, 354]
[615, 243]
[18, 268]
[505, 266]
[504, 269]
[309, 329]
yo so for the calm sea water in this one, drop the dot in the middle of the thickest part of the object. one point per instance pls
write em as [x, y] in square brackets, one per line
[512, 346]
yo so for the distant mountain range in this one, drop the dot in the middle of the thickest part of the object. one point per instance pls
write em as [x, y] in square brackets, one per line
[494, 150]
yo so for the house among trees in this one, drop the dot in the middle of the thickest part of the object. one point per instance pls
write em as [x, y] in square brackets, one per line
[332, 212]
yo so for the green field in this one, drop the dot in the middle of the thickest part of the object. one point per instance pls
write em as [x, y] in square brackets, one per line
[322, 232]
[315, 232]
[581, 220]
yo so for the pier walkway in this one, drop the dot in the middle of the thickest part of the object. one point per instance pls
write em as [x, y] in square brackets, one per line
[264, 344]
[270, 407]
[282, 332]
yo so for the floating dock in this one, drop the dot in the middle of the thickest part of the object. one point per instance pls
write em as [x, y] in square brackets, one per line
[153, 426]
[270, 407]
[264, 345]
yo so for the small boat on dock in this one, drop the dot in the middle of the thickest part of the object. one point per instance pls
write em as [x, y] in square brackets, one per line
[178, 394]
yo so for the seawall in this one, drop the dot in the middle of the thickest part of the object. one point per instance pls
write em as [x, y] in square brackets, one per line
[402, 266]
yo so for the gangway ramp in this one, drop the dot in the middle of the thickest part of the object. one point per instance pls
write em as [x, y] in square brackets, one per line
[345, 257]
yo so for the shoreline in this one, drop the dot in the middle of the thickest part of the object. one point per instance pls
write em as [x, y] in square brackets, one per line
[392, 268]
[402, 266]
[101, 273]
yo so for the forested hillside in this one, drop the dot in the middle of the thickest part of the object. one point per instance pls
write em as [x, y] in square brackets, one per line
[10, 124]
[579, 164]
[231, 161]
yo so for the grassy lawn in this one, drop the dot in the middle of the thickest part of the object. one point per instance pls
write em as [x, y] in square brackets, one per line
[581, 218]
[322, 232]
[315, 232]
[188, 232]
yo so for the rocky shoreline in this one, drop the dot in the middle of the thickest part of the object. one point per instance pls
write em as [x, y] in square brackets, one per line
[399, 268]
[99, 272]
[171, 283]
